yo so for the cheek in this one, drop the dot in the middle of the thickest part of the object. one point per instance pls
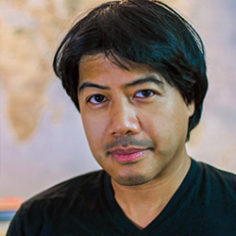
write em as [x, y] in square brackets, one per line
[94, 128]
[166, 127]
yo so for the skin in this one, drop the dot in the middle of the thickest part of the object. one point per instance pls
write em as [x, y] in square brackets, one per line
[135, 110]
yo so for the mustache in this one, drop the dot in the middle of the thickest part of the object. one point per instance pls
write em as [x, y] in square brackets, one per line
[129, 141]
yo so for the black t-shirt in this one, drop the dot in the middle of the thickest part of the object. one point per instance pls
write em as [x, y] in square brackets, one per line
[204, 204]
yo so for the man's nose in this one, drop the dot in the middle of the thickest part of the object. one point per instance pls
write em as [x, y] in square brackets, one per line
[123, 119]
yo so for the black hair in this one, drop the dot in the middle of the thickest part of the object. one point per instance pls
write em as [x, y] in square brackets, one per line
[142, 31]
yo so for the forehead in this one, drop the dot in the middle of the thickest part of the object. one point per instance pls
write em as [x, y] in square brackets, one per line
[100, 67]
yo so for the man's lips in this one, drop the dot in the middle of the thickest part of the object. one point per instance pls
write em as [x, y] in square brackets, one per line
[125, 155]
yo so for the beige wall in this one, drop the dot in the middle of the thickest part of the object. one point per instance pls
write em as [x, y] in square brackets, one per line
[42, 140]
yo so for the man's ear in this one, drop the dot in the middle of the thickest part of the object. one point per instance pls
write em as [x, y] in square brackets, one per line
[191, 108]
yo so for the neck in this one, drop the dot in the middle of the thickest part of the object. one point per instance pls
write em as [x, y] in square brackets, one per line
[143, 203]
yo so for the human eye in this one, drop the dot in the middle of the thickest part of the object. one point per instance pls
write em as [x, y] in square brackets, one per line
[145, 93]
[96, 99]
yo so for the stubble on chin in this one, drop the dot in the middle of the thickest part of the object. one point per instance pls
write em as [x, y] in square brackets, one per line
[131, 180]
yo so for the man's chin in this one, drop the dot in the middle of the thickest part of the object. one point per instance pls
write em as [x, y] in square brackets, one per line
[132, 180]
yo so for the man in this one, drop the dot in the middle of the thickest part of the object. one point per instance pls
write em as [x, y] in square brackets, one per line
[136, 71]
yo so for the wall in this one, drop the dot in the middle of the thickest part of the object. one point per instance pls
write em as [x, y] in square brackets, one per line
[42, 140]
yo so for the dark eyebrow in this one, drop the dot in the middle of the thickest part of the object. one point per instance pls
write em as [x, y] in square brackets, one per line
[148, 79]
[87, 85]
[136, 82]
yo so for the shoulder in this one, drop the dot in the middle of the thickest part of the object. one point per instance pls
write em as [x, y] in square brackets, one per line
[217, 174]
[214, 199]
[218, 182]
[72, 188]
[74, 193]
[78, 195]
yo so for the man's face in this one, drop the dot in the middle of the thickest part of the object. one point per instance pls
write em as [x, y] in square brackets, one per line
[135, 122]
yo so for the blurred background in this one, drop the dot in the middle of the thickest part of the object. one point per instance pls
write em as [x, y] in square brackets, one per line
[42, 141]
